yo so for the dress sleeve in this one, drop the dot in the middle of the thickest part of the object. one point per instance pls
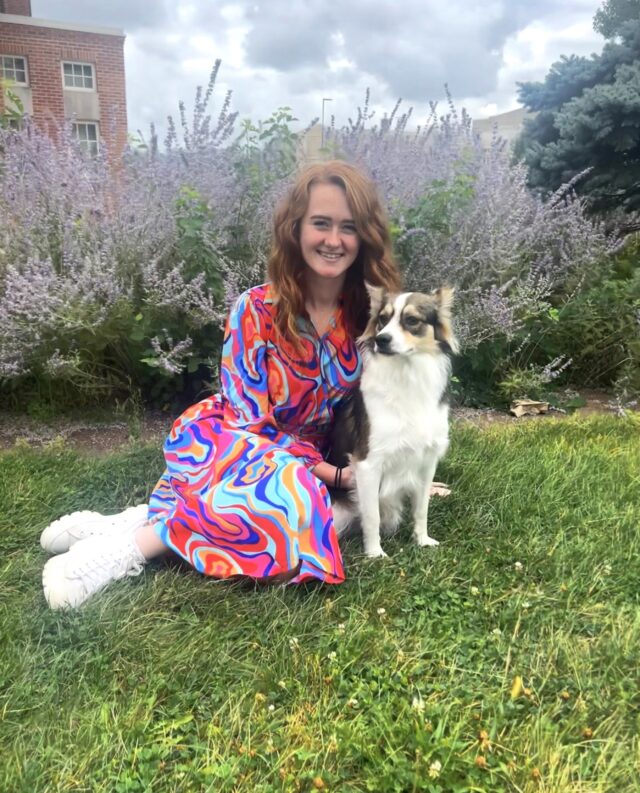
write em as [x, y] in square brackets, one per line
[244, 377]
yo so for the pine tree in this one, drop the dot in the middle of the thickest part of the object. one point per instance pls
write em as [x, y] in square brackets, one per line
[588, 116]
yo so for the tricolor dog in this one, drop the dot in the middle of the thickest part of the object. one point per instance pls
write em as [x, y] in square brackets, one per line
[394, 428]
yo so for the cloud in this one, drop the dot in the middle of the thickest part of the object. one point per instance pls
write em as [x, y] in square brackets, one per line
[288, 34]
[295, 52]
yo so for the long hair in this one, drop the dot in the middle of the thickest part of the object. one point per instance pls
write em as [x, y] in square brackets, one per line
[374, 262]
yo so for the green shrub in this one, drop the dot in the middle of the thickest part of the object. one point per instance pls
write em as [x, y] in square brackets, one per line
[587, 339]
[600, 328]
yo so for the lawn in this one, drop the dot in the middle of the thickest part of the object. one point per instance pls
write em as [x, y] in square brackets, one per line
[505, 660]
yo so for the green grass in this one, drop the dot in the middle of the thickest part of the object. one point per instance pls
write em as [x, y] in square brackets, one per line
[170, 682]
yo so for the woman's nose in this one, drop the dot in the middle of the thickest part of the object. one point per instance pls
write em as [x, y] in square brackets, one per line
[333, 236]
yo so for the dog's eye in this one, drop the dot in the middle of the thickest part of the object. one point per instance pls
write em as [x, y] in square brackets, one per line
[411, 322]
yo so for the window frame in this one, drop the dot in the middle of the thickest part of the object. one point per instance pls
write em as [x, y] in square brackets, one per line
[12, 80]
[87, 144]
[66, 87]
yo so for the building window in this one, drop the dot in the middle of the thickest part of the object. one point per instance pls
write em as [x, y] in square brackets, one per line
[78, 76]
[13, 69]
[86, 133]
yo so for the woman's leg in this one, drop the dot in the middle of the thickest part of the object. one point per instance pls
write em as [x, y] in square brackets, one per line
[71, 578]
[266, 519]
[149, 543]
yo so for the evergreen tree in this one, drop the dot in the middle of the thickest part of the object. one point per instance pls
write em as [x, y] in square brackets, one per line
[613, 14]
[588, 116]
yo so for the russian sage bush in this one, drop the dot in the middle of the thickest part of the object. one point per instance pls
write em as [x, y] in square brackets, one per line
[96, 262]
[116, 275]
[463, 215]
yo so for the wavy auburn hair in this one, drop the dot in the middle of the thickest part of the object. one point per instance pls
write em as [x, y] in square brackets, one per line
[374, 263]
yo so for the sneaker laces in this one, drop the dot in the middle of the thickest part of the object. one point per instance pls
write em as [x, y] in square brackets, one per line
[113, 563]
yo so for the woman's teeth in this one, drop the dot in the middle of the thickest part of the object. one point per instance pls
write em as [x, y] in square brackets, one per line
[332, 257]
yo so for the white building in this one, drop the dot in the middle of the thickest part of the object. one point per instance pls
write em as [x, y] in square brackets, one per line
[507, 125]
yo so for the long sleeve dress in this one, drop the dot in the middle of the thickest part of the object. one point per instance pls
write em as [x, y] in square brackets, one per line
[238, 496]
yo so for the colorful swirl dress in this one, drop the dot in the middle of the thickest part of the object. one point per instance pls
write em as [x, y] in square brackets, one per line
[238, 496]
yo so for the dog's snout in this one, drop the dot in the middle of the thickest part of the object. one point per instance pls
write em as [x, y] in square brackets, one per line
[383, 340]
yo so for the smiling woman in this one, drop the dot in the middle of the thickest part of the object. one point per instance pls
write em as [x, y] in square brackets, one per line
[244, 492]
[329, 241]
[329, 237]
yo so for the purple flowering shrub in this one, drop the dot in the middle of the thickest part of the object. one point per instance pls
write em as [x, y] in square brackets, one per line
[116, 276]
[94, 265]
[462, 215]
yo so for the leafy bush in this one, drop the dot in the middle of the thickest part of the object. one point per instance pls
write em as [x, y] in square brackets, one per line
[588, 338]
[116, 276]
[599, 329]
[463, 215]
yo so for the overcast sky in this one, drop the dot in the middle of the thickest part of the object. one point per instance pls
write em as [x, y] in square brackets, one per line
[295, 52]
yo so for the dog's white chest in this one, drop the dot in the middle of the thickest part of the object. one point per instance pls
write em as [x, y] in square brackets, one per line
[407, 419]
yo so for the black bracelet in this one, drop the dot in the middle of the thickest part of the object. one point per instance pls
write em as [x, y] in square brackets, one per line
[337, 480]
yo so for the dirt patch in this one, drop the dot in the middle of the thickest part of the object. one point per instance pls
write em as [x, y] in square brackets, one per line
[102, 436]
[99, 436]
[595, 403]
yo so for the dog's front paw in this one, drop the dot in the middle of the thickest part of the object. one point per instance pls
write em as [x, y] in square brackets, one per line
[425, 540]
[375, 553]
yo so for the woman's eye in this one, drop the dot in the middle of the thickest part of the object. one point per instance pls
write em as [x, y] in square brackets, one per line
[349, 229]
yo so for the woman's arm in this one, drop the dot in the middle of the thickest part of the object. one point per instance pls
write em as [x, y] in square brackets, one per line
[327, 474]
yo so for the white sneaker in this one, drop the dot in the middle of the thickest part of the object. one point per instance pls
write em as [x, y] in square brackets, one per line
[72, 577]
[63, 533]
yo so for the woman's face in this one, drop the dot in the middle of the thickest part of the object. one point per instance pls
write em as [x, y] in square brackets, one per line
[328, 238]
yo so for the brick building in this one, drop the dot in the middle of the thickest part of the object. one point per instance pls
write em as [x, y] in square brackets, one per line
[63, 71]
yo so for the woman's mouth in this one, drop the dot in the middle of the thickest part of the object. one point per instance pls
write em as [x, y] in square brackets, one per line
[330, 257]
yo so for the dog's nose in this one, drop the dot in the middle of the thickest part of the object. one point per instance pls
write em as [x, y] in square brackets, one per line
[383, 340]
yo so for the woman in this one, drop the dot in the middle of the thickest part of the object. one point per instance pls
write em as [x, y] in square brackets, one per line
[244, 492]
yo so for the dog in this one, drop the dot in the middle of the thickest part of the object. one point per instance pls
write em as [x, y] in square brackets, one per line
[394, 428]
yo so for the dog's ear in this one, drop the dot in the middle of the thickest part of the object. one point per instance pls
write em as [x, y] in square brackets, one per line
[444, 298]
[444, 301]
[376, 295]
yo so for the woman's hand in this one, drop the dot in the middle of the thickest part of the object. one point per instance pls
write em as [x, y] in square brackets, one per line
[327, 474]
[348, 478]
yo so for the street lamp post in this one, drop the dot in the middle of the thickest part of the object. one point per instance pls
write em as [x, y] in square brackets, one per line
[324, 99]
